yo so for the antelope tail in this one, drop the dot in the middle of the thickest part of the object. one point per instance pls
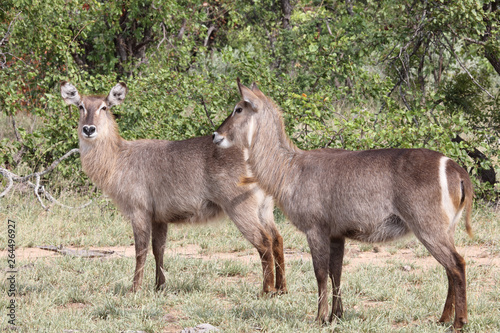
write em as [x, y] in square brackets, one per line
[467, 195]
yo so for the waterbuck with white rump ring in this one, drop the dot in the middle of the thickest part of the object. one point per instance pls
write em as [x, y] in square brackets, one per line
[370, 196]
[157, 182]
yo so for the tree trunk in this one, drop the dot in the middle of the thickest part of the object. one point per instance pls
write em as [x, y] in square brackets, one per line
[286, 9]
[349, 7]
[493, 58]
[490, 53]
[486, 175]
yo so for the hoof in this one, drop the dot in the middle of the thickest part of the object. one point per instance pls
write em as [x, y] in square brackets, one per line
[322, 320]
[282, 291]
[161, 287]
[268, 293]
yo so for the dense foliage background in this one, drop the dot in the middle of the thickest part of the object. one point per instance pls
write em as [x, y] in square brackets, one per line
[351, 74]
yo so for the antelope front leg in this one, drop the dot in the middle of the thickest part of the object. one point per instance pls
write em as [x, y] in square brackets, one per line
[319, 243]
[142, 232]
[266, 216]
[279, 263]
[267, 260]
[245, 217]
[159, 238]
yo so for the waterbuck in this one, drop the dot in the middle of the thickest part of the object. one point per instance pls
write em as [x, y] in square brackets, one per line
[370, 196]
[154, 183]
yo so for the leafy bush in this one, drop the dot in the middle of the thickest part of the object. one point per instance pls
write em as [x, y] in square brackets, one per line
[370, 76]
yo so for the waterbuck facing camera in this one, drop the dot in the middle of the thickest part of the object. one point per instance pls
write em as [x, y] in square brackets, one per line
[156, 182]
[370, 196]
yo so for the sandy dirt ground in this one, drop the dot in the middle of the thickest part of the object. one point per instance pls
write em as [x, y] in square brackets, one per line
[354, 257]
[474, 255]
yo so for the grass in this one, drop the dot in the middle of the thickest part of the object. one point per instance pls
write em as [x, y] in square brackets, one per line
[60, 293]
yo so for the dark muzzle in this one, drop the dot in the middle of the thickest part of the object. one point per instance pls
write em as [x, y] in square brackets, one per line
[88, 130]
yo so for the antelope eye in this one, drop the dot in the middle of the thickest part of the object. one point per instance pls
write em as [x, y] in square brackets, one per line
[80, 107]
[104, 108]
[238, 110]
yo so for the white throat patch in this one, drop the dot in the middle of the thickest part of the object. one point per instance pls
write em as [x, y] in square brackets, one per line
[251, 130]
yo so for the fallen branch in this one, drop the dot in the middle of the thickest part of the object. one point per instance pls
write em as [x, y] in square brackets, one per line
[77, 253]
[37, 189]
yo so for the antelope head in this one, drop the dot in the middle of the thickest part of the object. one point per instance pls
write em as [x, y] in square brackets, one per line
[95, 117]
[239, 128]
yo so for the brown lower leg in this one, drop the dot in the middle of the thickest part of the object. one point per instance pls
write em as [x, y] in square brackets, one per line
[159, 238]
[336, 258]
[140, 259]
[450, 301]
[459, 280]
[266, 256]
[279, 262]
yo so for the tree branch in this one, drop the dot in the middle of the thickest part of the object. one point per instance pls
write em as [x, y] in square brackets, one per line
[450, 48]
[16, 132]
[37, 189]
[162, 25]
[4, 42]
[474, 41]
[210, 30]
[183, 28]
[206, 112]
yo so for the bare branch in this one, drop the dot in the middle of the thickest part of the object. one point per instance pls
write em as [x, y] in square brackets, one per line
[183, 28]
[328, 27]
[473, 41]
[450, 48]
[335, 134]
[4, 42]
[7, 34]
[9, 180]
[37, 189]
[467, 39]
[206, 112]
[82, 29]
[16, 132]
[56, 162]
[209, 32]
[162, 25]
[77, 253]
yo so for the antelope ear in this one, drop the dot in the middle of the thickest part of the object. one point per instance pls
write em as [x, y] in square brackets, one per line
[256, 90]
[117, 94]
[70, 94]
[248, 96]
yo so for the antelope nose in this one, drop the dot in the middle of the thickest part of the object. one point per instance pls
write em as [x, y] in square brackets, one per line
[217, 138]
[88, 130]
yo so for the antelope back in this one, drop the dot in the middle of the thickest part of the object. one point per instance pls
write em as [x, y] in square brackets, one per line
[96, 120]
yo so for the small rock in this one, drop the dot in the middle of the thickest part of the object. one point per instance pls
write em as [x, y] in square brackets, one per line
[406, 268]
[202, 328]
